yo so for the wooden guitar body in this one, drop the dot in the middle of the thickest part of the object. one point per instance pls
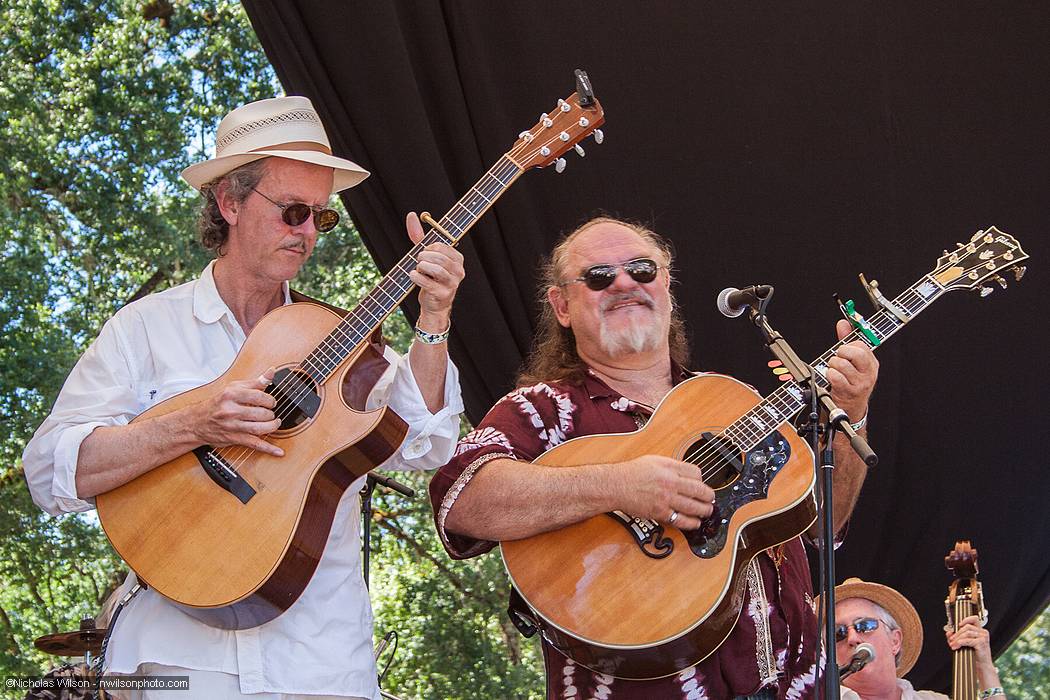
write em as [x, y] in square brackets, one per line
[237, 564]
[606, 603]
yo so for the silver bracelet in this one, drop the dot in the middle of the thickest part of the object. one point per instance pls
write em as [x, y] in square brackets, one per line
[433, 338]
[991, 693]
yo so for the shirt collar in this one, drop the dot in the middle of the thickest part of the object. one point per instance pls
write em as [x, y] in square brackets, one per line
[597, 389]
[208, 306]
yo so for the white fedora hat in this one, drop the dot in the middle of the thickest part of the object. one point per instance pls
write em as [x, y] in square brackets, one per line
[286, 127]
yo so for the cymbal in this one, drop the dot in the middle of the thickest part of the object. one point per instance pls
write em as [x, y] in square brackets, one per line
[72, 643]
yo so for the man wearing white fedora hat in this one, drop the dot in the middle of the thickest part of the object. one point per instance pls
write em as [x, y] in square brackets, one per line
[266, 197]
[870, 613]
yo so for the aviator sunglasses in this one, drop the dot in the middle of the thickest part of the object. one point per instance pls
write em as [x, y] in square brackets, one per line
[296, 213]
[862, 625]
[598, 277]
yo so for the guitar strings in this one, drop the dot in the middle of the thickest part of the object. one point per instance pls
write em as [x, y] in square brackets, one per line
[500, 170]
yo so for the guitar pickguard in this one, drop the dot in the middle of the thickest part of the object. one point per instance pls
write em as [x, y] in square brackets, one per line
[760, 466]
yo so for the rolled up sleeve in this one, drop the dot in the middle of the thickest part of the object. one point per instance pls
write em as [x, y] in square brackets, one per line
[99, 391]
[431, 437]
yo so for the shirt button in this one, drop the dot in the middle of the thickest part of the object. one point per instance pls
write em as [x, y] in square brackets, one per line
[414, 449]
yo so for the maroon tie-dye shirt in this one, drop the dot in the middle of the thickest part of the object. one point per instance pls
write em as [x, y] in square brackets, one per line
[774, 642]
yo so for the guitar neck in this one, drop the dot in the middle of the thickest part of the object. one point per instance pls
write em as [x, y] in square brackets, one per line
[784, 403]
[371, 311]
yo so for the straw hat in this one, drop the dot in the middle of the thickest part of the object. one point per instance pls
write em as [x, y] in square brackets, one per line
[897, 606]
[287, 127]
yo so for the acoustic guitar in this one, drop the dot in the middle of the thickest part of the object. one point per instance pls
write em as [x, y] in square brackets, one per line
[234, 535]
[965, 598]
[623, 595]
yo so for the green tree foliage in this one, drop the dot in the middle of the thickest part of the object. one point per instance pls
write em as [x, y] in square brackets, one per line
[101, 106]
[454, 637]
[1023, 667]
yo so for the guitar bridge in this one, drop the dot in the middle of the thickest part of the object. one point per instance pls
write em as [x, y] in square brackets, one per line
[647, 534]
[220, 471]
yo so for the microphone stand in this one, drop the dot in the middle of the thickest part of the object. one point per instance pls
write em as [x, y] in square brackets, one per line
[821, 404]
[371, 481]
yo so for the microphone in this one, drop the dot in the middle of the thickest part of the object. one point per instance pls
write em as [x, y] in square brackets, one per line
[732, 301]
[863, 655]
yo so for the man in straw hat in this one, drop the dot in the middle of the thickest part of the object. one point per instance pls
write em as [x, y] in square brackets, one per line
[880, 616]
[266, 195]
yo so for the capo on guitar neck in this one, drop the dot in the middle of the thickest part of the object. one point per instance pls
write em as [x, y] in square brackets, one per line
[881, 302]
[853, 316]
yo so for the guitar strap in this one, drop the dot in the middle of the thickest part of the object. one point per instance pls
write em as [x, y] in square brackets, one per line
[368, 368]
[521, 616]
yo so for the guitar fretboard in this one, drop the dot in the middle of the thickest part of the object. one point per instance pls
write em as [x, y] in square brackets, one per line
[784, 403]
[371, 311]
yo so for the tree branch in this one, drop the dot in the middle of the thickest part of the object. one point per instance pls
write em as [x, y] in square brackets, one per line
[393, 528]
[11, 640]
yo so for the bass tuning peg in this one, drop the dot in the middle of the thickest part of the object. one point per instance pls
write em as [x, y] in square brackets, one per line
[559, 165]
[599, 136]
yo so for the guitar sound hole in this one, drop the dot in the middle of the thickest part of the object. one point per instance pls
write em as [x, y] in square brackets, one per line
[296, 395]
[718, 458]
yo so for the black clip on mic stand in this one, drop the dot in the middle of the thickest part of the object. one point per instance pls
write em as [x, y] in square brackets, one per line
[371, 482]
[836, 420]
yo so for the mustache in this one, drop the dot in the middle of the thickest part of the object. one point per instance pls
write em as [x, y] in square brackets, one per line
[639, 296]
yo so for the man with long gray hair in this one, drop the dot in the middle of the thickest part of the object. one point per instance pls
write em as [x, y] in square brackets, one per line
[609, 348]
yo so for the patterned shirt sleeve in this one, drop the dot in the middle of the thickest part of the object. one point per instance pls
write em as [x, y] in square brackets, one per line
[522, 425]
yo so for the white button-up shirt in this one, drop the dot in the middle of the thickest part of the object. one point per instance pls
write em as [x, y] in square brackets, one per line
[173, 341]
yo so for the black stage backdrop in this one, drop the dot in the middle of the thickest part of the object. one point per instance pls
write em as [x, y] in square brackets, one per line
[793, 144]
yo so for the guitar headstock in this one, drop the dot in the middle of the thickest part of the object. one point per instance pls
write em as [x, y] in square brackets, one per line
[572, 120]
[989, 253]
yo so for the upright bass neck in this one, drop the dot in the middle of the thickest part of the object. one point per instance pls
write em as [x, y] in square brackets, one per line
[964, 600]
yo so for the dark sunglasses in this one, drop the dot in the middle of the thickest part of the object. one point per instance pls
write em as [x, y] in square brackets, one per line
[598, 277]
[862, 625]
[296, 213]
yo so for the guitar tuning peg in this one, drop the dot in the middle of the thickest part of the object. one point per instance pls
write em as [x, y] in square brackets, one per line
[959, 245]
[985, 291]
[977, 236]
[599, 136]
[559, 165]
[1000, 280]
[579, 149]
[945, 251]
[1019, 271]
